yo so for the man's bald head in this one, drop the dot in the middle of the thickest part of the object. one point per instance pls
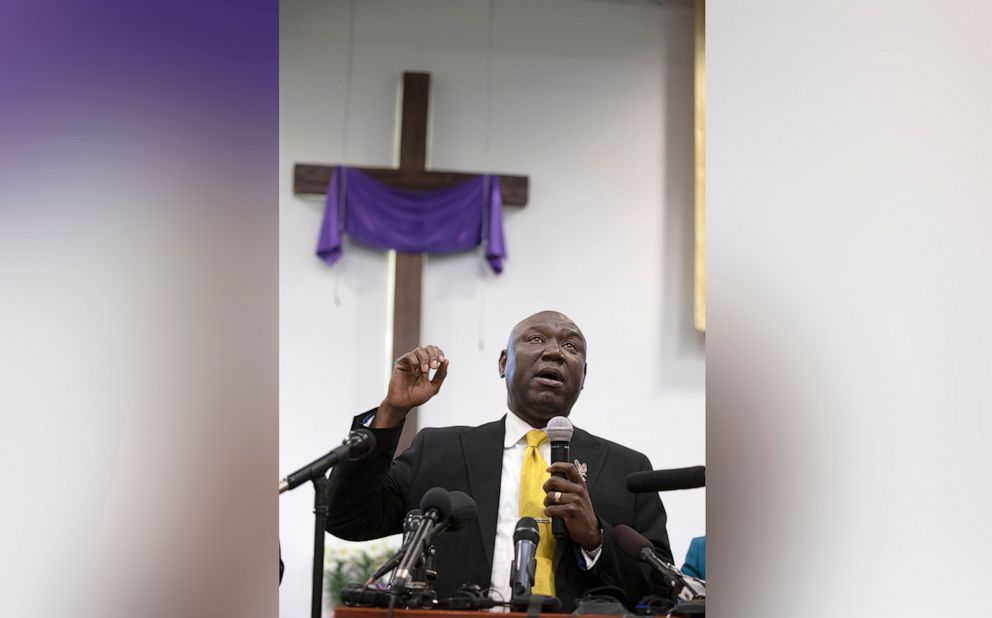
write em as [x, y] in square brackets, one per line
[542, 316]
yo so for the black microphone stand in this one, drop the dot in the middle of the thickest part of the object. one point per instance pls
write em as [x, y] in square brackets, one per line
[321, 507]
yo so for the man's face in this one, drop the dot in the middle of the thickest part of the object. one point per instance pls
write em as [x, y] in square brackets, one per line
[544, 366]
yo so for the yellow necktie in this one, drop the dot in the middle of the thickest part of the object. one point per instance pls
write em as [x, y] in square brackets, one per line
[533, 475]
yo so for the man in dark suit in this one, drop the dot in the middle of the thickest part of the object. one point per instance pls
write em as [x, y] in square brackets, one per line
[544, 366]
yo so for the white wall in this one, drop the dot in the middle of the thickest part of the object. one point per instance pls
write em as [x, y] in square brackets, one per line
[594, 102]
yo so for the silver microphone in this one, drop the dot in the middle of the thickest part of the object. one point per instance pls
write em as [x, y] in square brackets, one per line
[524, 566]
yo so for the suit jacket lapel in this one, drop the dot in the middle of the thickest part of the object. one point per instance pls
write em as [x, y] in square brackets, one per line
[482, 448]
[591, 452]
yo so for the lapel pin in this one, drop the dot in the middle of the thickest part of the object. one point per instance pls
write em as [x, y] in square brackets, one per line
[582, 468]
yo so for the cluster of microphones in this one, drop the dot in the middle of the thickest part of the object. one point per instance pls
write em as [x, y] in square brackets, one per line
[413, 567]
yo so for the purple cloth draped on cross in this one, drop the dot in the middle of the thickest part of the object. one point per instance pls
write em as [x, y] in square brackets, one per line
[409, 221]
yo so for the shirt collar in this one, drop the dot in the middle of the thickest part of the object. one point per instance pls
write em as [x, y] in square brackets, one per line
[516, 430]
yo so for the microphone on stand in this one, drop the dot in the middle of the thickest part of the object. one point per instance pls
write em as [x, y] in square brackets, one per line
[635, 545]
[525, 540]
[559, 432]
[667, 480]
[410, 524]
[523, 569]
[463, 512]
[358, 444]
[436, 507]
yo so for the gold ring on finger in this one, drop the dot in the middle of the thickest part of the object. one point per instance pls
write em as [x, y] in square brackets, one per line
[555, 497]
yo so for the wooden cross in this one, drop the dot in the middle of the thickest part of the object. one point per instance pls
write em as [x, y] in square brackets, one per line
[412, 174]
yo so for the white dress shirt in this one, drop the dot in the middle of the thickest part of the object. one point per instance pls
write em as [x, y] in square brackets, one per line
[514, 446]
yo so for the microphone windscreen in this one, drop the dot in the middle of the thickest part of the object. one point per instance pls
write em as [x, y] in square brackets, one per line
[463, 510]
[360, 442]
[526, 530]
[436, 499]
[667, 480]
[630, 541]
[559, 429]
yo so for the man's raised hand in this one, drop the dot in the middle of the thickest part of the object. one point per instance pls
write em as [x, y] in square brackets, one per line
[410, 384]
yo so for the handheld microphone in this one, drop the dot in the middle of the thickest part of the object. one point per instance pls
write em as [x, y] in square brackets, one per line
[559, 432]
[635, 545]
[358, 444]
[667, 480]
[525, 540]
[436, 508]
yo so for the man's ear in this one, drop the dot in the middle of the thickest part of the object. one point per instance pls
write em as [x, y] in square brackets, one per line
[502, 364]
[585, 369]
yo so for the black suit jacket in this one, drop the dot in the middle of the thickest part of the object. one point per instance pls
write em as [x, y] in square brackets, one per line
[370, 498]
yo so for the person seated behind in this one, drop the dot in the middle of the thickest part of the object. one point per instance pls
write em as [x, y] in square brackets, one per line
[695, 558]
[544, 367]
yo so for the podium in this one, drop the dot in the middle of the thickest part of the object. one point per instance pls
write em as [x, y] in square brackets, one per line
[343, 611]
